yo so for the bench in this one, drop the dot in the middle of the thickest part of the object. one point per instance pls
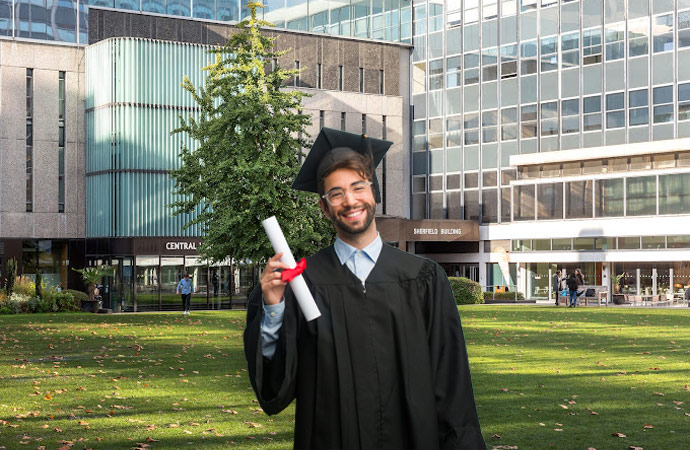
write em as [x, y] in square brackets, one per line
[595, 294]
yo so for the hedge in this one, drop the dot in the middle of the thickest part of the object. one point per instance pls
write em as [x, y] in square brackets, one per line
[488, 295]
[466, 291]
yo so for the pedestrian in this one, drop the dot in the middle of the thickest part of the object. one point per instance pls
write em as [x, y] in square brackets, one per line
[557, 284]
[186, 288]
[575, 283]
[385, 365]
[687, 294]
[214, 281]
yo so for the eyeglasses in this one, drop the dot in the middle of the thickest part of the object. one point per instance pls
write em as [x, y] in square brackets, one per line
[336, 196]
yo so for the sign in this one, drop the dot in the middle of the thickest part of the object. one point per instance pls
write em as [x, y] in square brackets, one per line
[177, 245]
[399, 230]
[440, 230]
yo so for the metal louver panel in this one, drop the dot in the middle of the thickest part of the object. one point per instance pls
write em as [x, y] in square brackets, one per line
[133, 102]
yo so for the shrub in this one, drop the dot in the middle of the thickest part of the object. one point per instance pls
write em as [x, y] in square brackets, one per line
[466, 291]
[78, 296]
[503, 296]
[63, 301]
[24, 286]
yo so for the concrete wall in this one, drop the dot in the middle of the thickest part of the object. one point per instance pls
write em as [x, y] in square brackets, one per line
[47, 61]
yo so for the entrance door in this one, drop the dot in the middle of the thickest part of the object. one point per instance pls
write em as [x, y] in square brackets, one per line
[122, 285]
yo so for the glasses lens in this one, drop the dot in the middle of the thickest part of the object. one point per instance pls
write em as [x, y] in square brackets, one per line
[335, 197]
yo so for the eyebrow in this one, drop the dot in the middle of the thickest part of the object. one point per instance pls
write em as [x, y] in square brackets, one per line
[352, 184]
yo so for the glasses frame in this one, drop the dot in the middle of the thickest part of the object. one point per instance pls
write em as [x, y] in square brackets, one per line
[326, 196]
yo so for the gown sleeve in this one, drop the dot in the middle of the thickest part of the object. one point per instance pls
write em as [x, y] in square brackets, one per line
[458, 422]
[273, 379]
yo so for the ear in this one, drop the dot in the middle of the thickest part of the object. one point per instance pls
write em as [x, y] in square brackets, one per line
[324, 208]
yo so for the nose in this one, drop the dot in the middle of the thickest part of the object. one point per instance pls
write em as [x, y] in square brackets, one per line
[349, 197]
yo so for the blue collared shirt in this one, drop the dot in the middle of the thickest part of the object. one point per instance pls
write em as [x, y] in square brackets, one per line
[185, 286]
[360, 262]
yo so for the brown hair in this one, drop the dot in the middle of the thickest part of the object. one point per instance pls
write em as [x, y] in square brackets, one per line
[363, 164]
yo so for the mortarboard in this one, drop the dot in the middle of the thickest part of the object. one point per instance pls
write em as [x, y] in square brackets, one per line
[332, 146]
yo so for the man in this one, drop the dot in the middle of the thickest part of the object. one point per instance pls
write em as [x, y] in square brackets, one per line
[186, 288]
[556, 285]
[385, 365]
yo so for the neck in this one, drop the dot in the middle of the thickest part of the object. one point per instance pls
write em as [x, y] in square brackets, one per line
[359, 240]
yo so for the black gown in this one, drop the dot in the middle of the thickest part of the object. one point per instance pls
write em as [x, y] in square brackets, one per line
[385, 366]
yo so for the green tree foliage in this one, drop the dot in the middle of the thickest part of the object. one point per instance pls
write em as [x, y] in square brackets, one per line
[91, 276]
[248, 138]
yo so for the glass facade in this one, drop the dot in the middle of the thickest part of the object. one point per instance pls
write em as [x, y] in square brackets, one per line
[50, 20]
[494, 78]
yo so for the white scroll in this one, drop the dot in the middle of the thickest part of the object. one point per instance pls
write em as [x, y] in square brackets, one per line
[299, 286]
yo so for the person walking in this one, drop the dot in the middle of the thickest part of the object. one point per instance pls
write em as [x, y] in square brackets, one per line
[214, 282]
[557, 285]
[575, 283]
[186, 288]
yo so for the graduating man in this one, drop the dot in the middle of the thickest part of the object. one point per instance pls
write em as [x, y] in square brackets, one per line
[385, 365]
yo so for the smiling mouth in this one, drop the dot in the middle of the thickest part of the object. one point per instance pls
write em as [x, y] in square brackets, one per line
[354, 214]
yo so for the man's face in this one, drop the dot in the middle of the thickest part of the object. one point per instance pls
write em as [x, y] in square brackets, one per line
[356, 213]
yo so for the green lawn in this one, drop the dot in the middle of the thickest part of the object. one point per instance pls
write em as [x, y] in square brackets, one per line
[544, 378]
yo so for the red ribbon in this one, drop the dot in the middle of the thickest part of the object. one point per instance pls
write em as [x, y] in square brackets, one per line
[288, 275]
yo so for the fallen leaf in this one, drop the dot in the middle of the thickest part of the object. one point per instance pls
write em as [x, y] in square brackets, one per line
[620, 435]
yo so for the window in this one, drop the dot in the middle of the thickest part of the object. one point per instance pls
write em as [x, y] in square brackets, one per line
[638, 102]
[322, 119]
[471, 68]
[683, 29]
[528, 119]
[381, 81]
[342, 121]
[638, 37]
[549, 55]
[61, 141]
[319, 74]
[674, 193]
[663, 33]
[615, 41]
[684, 101]
[591, 108]
[615, 114]
[361, 79]
[29, 139]
[509, 61]
[436, 75]
[489, 122]
[591, 46]
[663, 104]
[570, 50]
[609, 198]
[523, 204]
[453, 73]
[471, 125]
[550, 201]
[364, 124]
[528, 57]
[489, 64]
[509, 124]
[578, 199]
[549, 119]
[490, 9]
[384, 135]
[641, 196]
[570, 116]
[340, 78]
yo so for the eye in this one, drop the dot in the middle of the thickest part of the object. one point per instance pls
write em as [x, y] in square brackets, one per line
[336, 195]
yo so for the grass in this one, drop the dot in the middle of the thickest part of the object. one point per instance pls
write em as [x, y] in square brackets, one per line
[543, 377]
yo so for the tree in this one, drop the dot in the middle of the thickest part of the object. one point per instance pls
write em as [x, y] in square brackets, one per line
[91, 276]
[249, 136]
[11, 276]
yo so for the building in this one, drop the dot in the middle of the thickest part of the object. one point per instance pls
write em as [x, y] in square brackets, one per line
[114, 108]
[561, 126]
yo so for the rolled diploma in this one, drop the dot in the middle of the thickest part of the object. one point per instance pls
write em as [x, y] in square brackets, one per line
[299, 286]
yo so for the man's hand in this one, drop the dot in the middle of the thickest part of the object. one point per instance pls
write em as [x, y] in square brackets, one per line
[272, 286]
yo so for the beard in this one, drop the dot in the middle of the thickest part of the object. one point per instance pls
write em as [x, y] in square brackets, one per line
[341, 224]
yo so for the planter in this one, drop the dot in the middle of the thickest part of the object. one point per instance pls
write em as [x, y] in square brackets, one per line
[91, 305]
[619, 299]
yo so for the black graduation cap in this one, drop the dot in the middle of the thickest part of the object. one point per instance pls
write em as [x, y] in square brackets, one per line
[332, 146]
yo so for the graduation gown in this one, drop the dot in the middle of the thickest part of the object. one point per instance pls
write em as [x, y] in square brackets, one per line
[385, 366]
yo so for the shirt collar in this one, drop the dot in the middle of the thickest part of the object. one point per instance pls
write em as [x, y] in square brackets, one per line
[345, 251]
